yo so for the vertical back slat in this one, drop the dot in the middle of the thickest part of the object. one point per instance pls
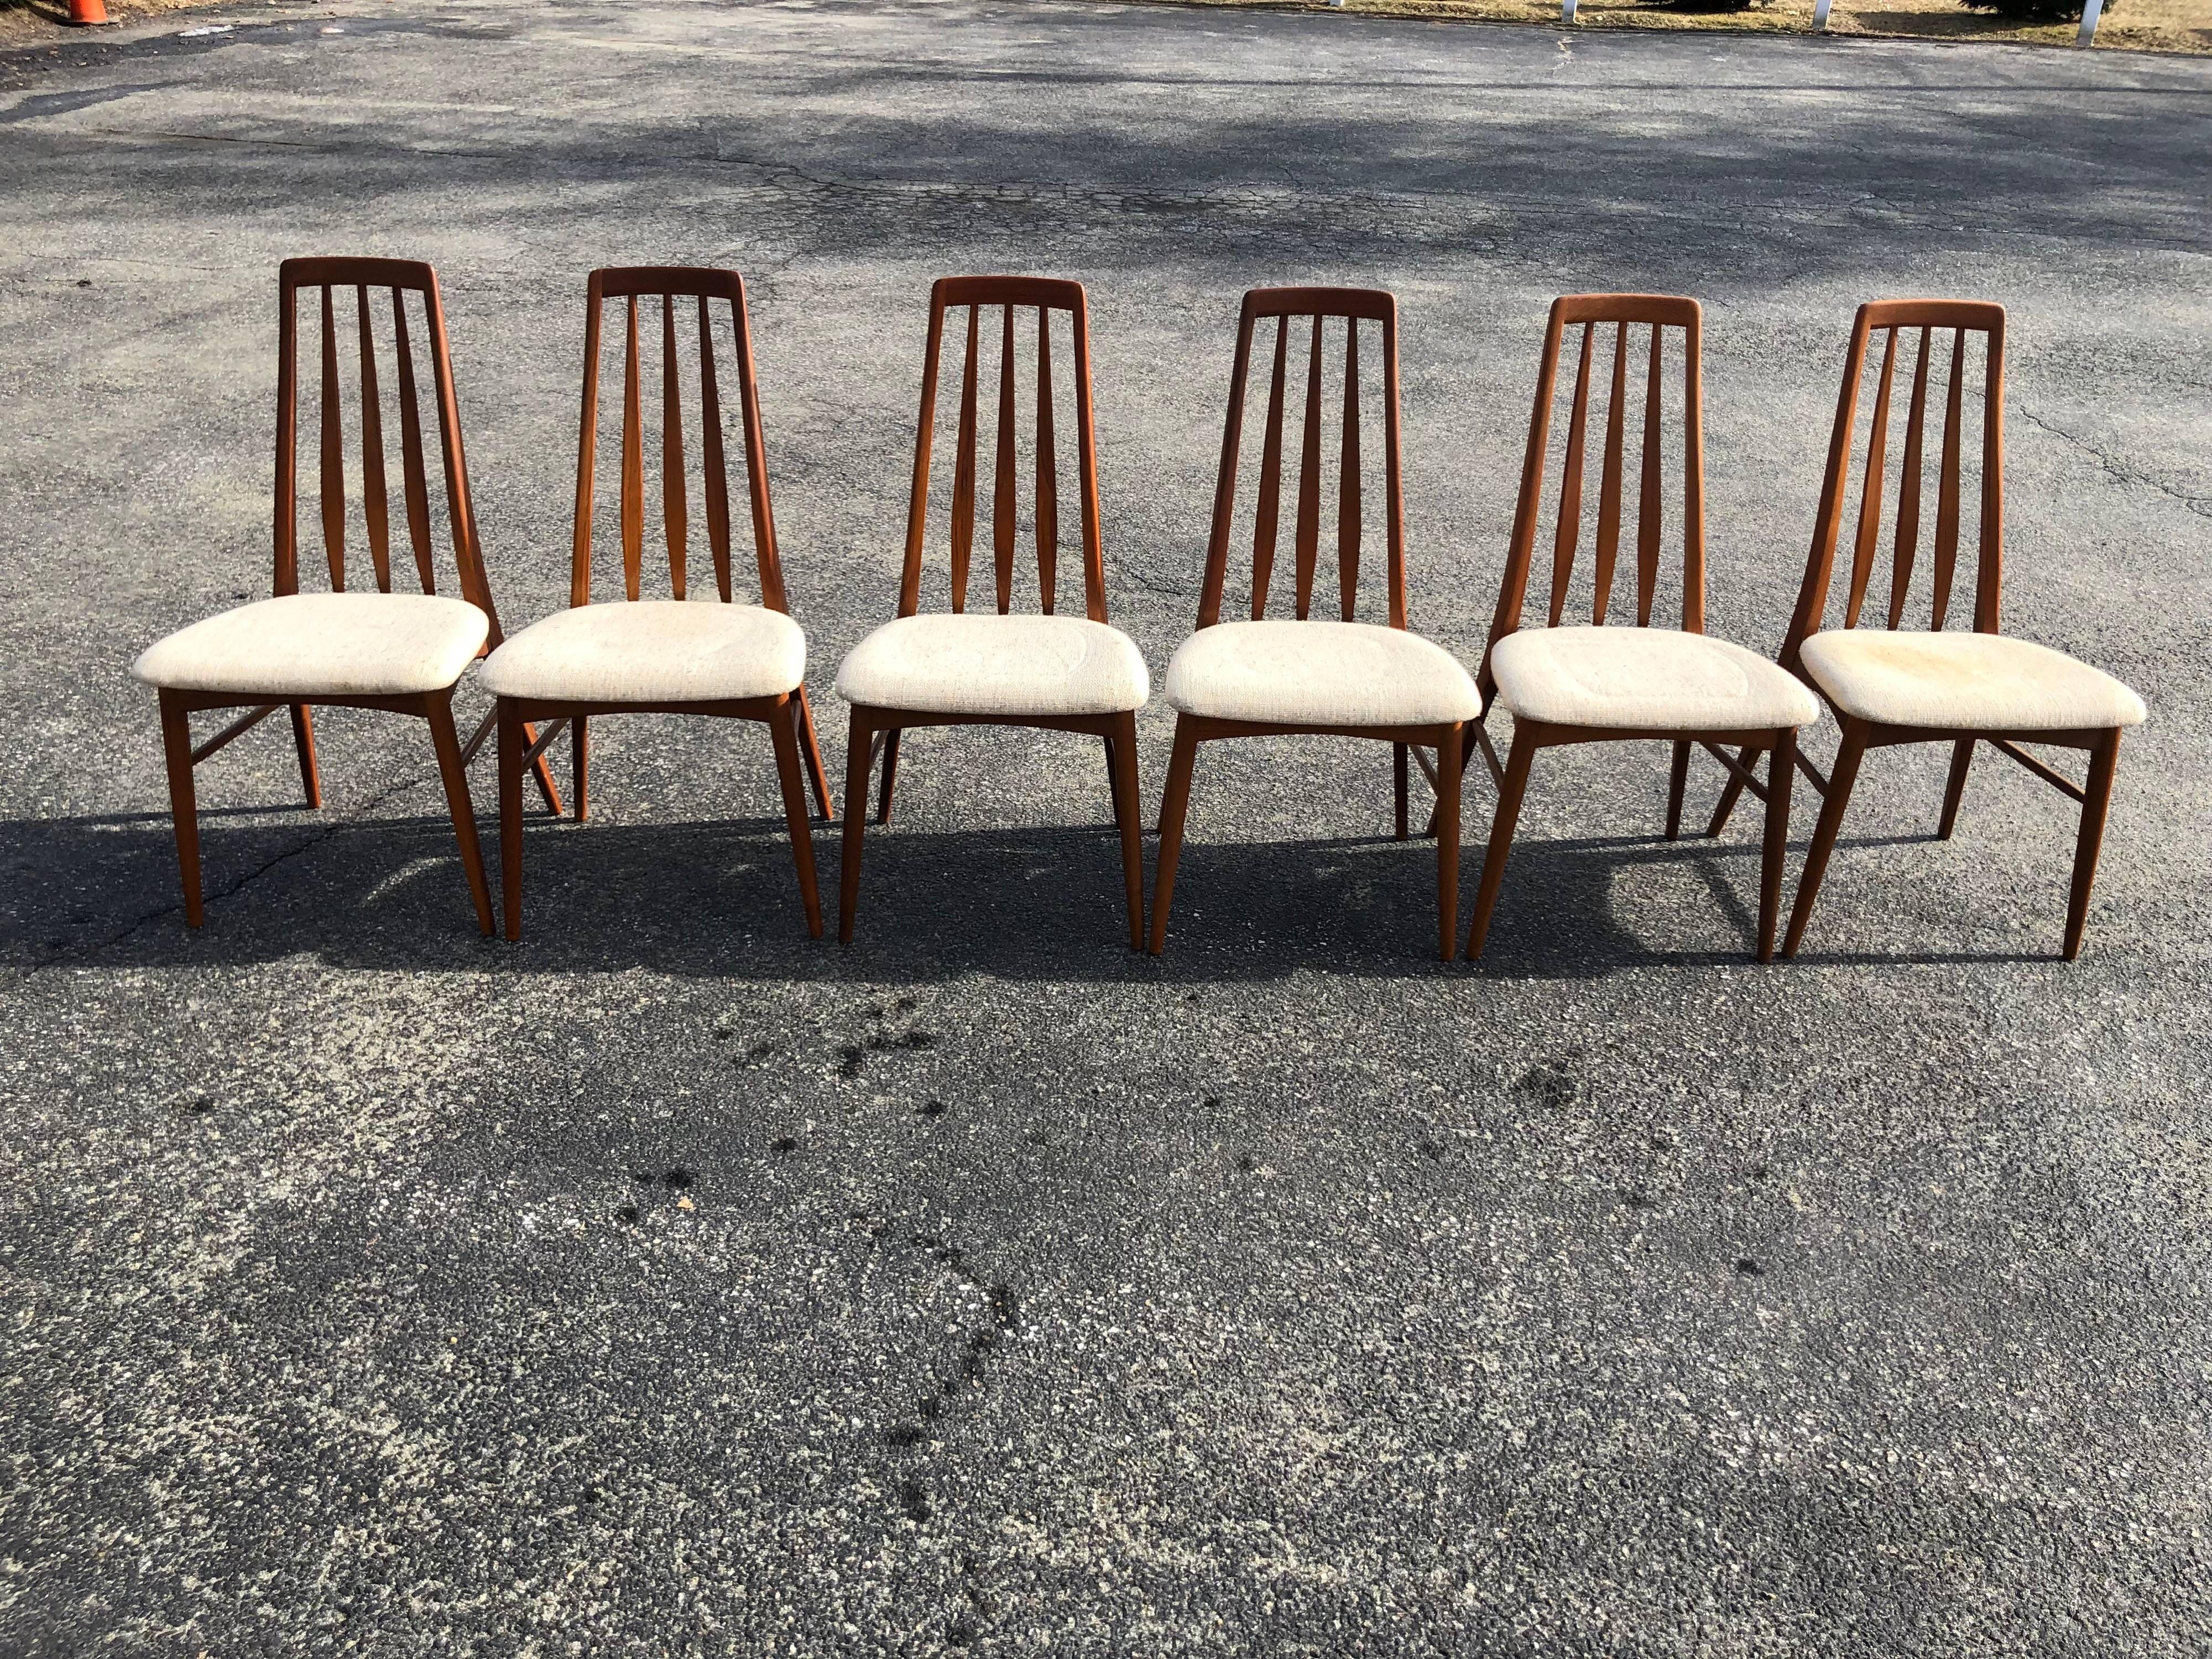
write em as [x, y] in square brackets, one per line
[1908, 490]
[1348, 505]
[1308, 530]
[964, 472]
[1988, 565]
[414, 479]
[1269, 505]
[333, 460]
[713, 465]
[1002, 473]
[1394, 494]
[1048, 463]
[374, 504]
[1870, 488]
[1608, 490]
[1570, 486]
[675, 508]
[765, 559]
[1648, 510]
[1947, 485]
[633, 465]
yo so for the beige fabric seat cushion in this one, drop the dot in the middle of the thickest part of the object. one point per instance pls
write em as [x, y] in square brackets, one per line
[1965, 682]
[992, 664]
[1319, 673]
[651, 651]
[322, 645]
[1645, 679]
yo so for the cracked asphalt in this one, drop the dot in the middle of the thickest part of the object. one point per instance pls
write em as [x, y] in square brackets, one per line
[672, 1283]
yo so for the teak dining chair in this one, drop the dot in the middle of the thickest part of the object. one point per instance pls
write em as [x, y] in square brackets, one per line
[1058, 673]
[346, 648]
[1305, 677]
[1611, 684]
[674, 656]
[1892, 685]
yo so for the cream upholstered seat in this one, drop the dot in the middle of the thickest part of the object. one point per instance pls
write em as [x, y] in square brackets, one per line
[651, 650]
[996, 664]
[1645, 679]
[1962, 681]
[1319, 673]
[316, 646]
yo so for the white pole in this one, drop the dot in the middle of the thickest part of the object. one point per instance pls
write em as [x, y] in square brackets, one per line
[1819, 13]
[1566, 12]
[2089, 15]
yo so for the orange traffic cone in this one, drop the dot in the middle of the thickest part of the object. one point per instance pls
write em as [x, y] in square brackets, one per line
[88, 13]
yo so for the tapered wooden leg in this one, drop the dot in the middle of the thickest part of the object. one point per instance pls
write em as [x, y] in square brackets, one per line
[303, 741]
[579, 743]
[1955, 788]
[514, 744]
[1678, 779]
[2104, 762]
[1173, 803]
[1729, 794]
[809, 748]
[1399, 783]
[783, 731]
[891, 774]
[1838, 797]
[1450, 753]
[439, 710]
[542, 769]
[858, 737]
[184, 806]
[1501, 837]
[1777, 848]
[1129, 819]
[1113, 783]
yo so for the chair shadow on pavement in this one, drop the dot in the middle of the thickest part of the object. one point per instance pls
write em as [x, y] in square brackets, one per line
[720, 899]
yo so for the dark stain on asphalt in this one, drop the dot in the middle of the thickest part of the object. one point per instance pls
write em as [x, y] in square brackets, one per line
[850, 1059]
[783, 1144]
[914, 1500]
[678, 1177]
[627, 1215]
[933, 1108]
[1548, 1086]
[1748, 1267]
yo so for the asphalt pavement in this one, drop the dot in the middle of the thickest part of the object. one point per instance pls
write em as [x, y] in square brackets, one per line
[672, 1282]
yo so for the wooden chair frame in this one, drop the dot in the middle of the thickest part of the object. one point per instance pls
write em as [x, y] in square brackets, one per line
[1621, 312]
[789, 720]
[1352, 306]
[1961, 318]
[181, 755]
[874, 730]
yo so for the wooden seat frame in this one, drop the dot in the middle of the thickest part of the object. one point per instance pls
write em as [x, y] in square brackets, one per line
[1620, 311]
[789, 720]
[1961, 318]
[181, 755]
[875, 730]
[1352, 307]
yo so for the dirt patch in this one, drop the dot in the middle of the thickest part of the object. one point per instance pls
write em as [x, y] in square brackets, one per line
[45, 22]
[2127, 25]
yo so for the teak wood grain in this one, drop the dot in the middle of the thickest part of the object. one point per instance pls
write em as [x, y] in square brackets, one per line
[787, 717]
[398, 279]
[875, 730]
[1317, 309]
